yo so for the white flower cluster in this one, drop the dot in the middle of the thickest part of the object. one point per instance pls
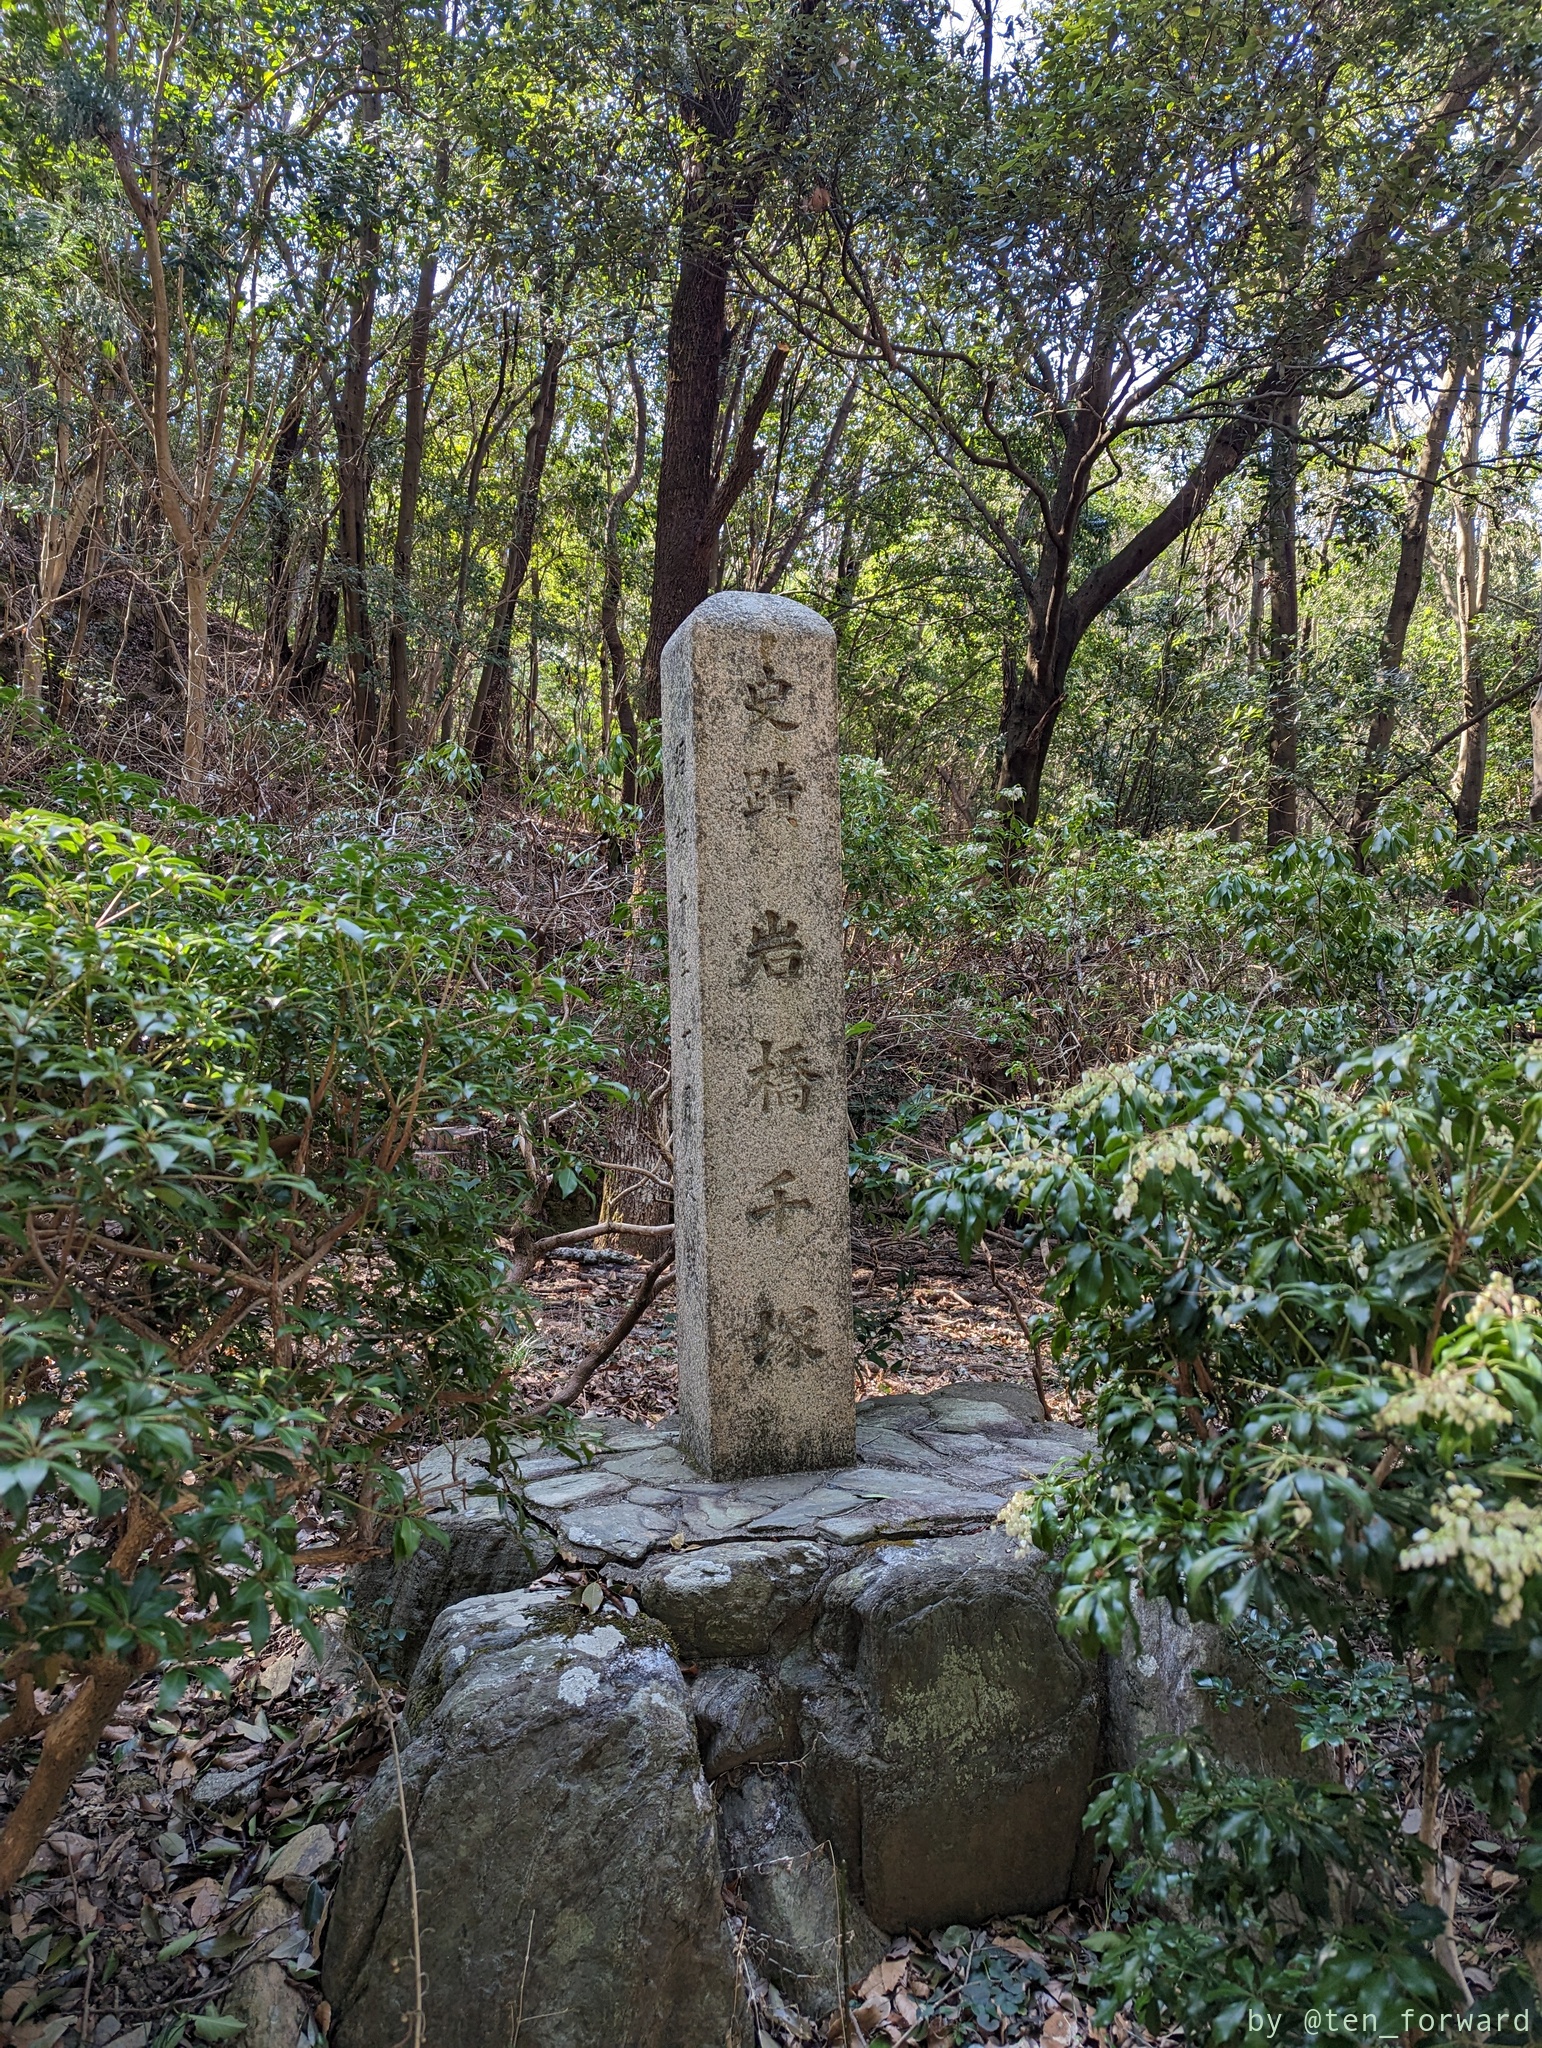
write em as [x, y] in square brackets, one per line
[1163, 1154]
[1499, 1298]
[1448, 1397]
[1017, 1516]
[1500, 1547]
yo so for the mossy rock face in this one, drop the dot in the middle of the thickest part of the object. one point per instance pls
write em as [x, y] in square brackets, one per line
[1155, 1695]
[952, 1734]
[565, 1856]
[734, 1599]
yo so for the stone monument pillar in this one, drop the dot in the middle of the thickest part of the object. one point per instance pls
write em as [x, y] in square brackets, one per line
[752, 834]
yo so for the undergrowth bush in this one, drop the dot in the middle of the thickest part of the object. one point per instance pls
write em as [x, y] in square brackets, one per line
[232, 1285]
[1295, 1285]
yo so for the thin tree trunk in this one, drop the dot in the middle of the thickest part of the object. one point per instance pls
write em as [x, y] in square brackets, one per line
[286, 446]
[1258, 584]
[353, 450]
[84, 612]
[407, 509]
[617, 698]
[353, 461]
[490, 709]
[195, 732]
[491, 424]
[1536, 758]
[63, 523]
[1413, 548]
[1284, 623]
[1472, 555]
[532, 674]
[813, 497]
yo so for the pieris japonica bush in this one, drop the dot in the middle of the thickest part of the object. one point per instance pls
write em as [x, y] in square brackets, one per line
[1299, 1297]
[231, 1288]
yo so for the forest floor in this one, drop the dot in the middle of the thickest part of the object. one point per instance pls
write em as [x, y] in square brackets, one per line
[127, 1928]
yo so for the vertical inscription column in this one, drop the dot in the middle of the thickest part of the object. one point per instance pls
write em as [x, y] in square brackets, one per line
[753, 839]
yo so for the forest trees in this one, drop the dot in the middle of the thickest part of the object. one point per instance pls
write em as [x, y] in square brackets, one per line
[1159, 321]
[1149, 288]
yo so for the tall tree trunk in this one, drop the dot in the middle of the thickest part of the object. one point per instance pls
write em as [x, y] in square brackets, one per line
[286, 446]
[1536, 758]
[1028, 719]
[353, 464]
[616, 698]
[195, 732]
[1413, 548]
[1284, 624]
[725, 175]
[490, 709]
[407, 509]
[1472, 557]
[695, 351]
[351, 416]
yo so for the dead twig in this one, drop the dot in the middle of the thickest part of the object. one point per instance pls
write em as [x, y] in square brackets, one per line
[1017, 1316]
[656, 1277]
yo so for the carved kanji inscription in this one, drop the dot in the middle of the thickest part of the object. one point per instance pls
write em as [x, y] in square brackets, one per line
[775, 946]
[766, 695]
[781, 1201]
[783, 1341]
[777, 788]
[782, 1078]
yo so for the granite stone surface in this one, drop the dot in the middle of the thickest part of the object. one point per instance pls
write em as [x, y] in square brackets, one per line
[942, 1464]
[758, 1059]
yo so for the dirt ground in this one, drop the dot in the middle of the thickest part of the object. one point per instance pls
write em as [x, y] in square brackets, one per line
[923, 1320]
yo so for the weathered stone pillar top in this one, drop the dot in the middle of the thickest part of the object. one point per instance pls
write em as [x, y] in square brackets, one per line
[753, 839]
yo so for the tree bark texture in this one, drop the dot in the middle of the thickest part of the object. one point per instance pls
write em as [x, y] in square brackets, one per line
[1413, 548]
[489, 712]
[1284, 667]
[1472, 560]
[399, 733]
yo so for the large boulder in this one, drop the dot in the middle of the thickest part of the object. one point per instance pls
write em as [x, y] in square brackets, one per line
[565, 1858]
[804, 1930]
[952, 1735]
[1156, 1694]
[734, 1599]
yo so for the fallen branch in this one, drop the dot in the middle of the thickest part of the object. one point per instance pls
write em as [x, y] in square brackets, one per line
[1017, 1316]
[529, 1256]
[656, 1277]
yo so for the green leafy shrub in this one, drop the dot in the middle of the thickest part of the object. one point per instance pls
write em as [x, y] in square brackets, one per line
[1271, 1897]
[1297, 1307]
[233, 1284]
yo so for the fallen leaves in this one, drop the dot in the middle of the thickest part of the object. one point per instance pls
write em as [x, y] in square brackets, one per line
[130, 1917]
